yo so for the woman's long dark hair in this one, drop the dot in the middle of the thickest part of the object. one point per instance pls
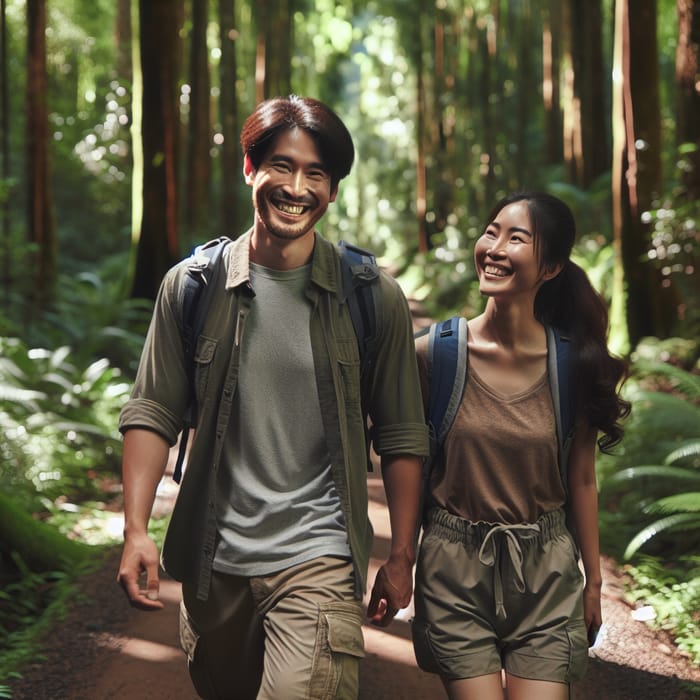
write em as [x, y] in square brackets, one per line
[569, 302]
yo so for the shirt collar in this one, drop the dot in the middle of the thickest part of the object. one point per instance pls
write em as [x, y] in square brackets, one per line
[324, 264]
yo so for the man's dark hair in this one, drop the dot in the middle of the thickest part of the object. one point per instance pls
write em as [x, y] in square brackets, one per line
[321, 123]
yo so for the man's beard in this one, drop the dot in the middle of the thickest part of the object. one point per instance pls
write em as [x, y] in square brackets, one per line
[266, 210]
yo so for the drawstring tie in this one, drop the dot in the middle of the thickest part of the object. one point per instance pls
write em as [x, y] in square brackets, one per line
[488, 555]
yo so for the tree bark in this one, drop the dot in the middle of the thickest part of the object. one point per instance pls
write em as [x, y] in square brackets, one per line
[158, 241]
[589, 86]
[5, 151]
[198, 171]
[688, 101]
[551, 94]
[122, 41]
[651, 303]
[231, 161]
[40, 221]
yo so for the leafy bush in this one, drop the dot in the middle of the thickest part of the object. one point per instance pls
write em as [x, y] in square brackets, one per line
[673, 591]
[59, 421]
[656, 471]
[93, 316]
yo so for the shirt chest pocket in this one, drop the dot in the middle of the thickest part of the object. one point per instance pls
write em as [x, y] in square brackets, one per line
[349, 372]
[203, 363]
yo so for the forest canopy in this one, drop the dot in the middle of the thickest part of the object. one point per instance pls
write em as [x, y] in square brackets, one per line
[120, 129]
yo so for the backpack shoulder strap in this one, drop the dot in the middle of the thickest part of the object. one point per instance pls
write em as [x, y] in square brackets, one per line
[559, 371]
[447, 375]
[199, 272]
[360, 273]
[195, 303]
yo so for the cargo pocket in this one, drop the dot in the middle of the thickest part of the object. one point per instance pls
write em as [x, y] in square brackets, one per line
[578, 650]
[423, 648]
[188, 636]
[339, 648]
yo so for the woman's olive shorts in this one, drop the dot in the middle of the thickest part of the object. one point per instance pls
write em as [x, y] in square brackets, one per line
[494, 596]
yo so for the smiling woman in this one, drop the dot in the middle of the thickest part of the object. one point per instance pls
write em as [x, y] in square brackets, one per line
[507, 506]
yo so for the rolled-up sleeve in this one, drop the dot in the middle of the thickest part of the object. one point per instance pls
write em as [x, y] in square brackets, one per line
[396, 406]
[161, 387]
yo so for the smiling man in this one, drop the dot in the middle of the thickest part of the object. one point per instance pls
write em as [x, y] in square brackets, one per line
[270, 534]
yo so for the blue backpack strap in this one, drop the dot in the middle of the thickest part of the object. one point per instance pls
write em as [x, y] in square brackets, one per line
[360, 290]
[195, 301]
[447, 368]
[359, 272]
[559, 371]
[447, 377]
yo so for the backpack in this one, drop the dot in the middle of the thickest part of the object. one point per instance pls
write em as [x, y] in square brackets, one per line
[447, 374]
[359, 272]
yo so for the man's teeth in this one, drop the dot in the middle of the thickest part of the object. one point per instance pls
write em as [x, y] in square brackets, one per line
[290, 208]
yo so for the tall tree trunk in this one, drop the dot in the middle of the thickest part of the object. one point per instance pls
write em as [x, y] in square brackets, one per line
[526, 87]
[278, 54]
[421, 138]
[122, 41]
[688, 90]
[158, 243]
[571, 133]
[487, 49]
[5, 269]
[551, 94]
[619, 331]
[273, 20]
[198, 171]
[41, 224]
[440, 109]
[589, 86]
[231, 161]
[650, 299]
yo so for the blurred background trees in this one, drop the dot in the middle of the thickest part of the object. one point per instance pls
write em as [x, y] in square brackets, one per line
[121, 128]
[119, 125]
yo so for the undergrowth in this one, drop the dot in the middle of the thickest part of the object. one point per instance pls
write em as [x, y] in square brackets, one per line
[673, 592]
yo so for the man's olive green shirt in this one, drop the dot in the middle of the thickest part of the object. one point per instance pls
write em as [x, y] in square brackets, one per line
[390, 395]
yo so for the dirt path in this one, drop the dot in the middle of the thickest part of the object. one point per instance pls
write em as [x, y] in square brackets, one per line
[105, 650]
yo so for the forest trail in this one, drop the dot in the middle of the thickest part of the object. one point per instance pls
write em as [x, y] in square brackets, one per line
[106, 650]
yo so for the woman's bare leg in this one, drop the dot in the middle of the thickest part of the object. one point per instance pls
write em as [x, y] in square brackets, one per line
[526, 689]
[488, 687]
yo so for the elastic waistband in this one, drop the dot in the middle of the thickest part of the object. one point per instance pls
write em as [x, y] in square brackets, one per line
[455, 529]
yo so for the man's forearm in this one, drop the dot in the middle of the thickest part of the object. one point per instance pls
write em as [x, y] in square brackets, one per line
[145, 456]
[402, 475]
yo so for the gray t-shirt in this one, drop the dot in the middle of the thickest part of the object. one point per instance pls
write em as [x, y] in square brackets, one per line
[277, 503]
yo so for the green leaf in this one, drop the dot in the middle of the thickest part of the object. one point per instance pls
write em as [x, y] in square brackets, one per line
[678, 503]
[672, 523]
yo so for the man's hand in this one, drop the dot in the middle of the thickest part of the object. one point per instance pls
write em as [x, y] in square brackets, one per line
[392, 590]
[140, 555]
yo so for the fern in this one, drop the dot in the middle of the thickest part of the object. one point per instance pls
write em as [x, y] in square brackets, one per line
[678, 503]
[689, 450]
[685, 382]
[673, 523]
[653, 472]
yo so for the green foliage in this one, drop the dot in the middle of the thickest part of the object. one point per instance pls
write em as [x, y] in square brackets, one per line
[673, 591]
[59, 421]
[650, 490]
[90, 314]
